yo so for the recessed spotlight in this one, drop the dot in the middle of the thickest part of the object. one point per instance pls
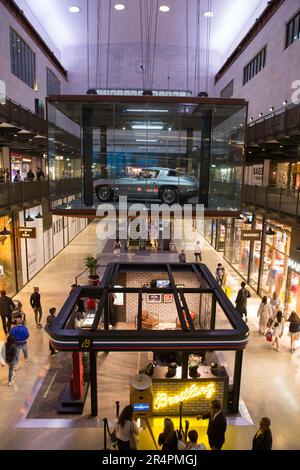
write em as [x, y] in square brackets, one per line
[208, 14]
[260, 114]
[272, 108]
[74, 9]
[284, 102]
[170, 128]
[251, 119]
[164, 8]
[281, 146]
[119, 6]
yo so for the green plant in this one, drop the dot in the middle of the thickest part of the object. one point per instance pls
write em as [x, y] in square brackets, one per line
[91, 263]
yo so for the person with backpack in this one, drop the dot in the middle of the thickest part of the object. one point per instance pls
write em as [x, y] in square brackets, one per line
[241, 301]
[294, 329]
[21, 334]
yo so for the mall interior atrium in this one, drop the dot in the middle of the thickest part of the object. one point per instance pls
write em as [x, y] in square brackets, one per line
[149, 225]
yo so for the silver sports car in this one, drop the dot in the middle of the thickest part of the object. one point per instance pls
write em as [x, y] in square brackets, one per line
[151, 183]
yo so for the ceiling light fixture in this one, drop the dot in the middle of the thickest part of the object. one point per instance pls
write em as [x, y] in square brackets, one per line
[270, 232]
[272, 108]
[119, 7]
[39, 216]
[164, 8]
[147, 110]
[208, 14]
[5, 232]
[145, 127]
[284, 102]
[74, 9]
[146, 140]
[251, 119]
[29, 219]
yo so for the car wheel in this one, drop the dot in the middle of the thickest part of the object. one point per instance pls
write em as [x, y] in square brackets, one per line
[168, 195]
[104, 193]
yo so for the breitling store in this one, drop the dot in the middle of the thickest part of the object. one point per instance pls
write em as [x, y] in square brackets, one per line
[161, 149]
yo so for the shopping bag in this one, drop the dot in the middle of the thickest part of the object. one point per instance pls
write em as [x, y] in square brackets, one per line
[227, 291]
[269, 335]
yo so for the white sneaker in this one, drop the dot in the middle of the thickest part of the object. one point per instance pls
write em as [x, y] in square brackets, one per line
[12, 380]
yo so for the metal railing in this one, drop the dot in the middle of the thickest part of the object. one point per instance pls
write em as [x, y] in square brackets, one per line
[26, 191]
[281, 200]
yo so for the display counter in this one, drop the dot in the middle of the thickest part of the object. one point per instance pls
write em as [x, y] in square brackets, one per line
[195, 394]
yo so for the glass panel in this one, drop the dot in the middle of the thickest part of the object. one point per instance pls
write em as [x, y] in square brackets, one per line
[227, 156]
[7, 267]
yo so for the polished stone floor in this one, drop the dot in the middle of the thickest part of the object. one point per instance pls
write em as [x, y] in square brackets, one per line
[270, 379]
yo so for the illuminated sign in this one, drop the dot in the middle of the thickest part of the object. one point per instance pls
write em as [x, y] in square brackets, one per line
[251, 234]
[163, 400]
[294, 265]
[26, 232]
[141, 407]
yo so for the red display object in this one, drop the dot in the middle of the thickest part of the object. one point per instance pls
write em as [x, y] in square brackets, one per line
[76, 379]
[91, 304]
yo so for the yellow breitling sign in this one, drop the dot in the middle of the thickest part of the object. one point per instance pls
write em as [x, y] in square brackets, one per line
[163, 400]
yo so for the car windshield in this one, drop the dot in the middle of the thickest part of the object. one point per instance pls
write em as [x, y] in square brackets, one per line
[148, 174]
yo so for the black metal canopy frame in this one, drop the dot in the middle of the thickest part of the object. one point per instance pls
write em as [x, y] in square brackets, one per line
[186, 339]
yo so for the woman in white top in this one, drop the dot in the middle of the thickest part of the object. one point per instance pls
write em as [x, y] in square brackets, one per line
[197, 252]
[264, 313]
[126, 429]
[275, 304]
[278, 327]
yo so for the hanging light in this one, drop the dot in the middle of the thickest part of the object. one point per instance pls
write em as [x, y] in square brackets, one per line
[4, 232]
[29, 219]
[39, 216]
[270, 232]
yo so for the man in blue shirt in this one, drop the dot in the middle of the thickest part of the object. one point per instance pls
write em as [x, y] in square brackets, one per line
[21, 335]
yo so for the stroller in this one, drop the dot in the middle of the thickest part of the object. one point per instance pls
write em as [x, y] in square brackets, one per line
[16, 312]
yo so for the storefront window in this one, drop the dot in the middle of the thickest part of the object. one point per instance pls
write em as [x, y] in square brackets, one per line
[7, 269]
[221, 231]
[293, 291]
[241, 248]
[275, 261]
[208, 230]
[256, 254]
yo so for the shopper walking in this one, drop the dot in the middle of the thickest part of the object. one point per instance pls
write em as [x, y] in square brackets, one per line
[197, 252]
[126, 429]
[17, 177]
[263, 437]
[117, 247]
[182, 257]
[49, 320]
[35, 302]
[275, 304]
[21, 334]
[241, 301]
[294, 329]
[217, 425]
[168, 438]
[265, 314]
[278, 327]
[220, 271]
[6, 308]
[9, 357]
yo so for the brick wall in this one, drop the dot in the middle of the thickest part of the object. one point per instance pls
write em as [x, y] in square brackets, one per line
[193, 406]
[167, 311]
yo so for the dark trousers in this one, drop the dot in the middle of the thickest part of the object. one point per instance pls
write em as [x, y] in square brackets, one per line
[6, 324]
[123, 445]
[38, 314]
[198, 257]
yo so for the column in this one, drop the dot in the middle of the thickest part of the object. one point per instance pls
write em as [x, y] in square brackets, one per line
[237, 380]
[88, 193]
[93, 378]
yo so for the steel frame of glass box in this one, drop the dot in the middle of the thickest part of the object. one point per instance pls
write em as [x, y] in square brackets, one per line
[185, 340]
[202, 138]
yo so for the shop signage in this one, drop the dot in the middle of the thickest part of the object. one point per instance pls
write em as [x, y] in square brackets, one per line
[251, 234]
[257, 174]
[164, 400]
[294, 266]
[26, 232]
[86, 344]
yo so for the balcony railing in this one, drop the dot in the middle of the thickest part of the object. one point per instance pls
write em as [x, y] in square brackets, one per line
[22, 192]
[280, 200]
[65, 186]
[281, 123]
